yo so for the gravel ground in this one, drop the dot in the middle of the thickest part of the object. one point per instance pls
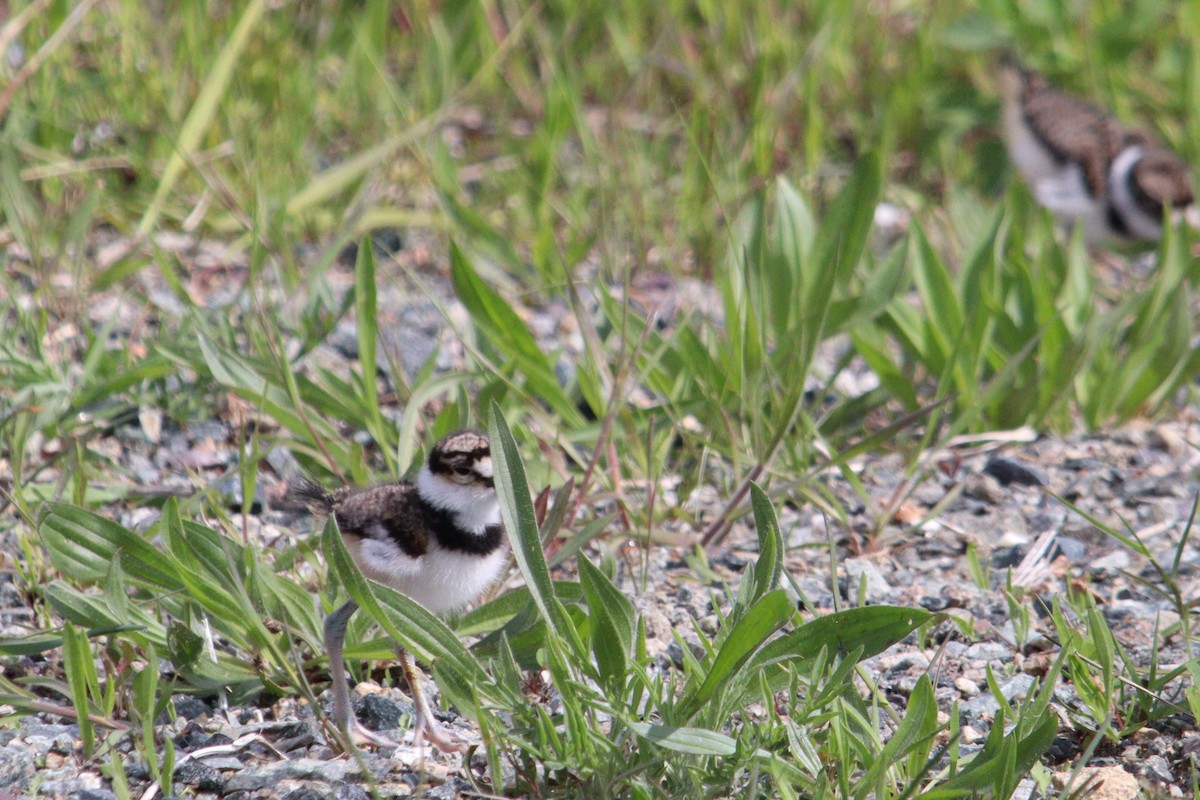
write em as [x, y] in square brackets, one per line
[911, 541]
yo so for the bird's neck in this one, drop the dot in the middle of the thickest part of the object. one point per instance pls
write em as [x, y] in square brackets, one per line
[472, 509]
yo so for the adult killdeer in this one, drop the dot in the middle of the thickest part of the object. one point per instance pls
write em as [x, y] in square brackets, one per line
[1085, 167]
[438, 540]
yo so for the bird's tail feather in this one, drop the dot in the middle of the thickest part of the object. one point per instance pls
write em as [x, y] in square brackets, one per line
[311, 494]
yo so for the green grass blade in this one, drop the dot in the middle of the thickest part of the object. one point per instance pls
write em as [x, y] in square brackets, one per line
[365, 319]
[203, 111]
[509, 335]
[916, 729]
[769, 567]
[81, 674]
[1001, 757]
[613, 623]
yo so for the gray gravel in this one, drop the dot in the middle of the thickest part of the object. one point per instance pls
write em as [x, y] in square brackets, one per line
[994, 499]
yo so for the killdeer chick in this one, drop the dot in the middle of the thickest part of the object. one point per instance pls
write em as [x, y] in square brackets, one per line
[438, 540]
[1085, 167]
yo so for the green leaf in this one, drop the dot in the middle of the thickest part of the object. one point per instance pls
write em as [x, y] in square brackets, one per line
[943, 311]
[183, 644]
[30, 645]
[81, 677]
[915, 731]
[613, 621]
[1001, 757]
[697, 741]
[842, 236]
[508, 334]
[769, 567]
[82, 545]
[496, 613]
[872, 628]
[520, 522]
[365, 320]
[791, 242]
[747, 636]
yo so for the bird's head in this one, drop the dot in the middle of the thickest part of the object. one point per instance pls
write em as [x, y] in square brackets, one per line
[458, 478]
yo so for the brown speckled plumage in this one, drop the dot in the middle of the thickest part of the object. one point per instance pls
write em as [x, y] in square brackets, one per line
[1129, 178]
[397, 510]
[1071, 128]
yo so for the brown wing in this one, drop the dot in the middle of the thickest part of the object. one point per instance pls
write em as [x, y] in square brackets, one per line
[393, 511]
[1072, 129]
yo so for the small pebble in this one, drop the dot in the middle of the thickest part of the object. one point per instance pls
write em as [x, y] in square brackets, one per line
[199, 775]
[1074, 550]
[989, 651]
[378, 713]
[1009, 470]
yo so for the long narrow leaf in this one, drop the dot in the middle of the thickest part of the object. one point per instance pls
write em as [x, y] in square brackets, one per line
[516, 509]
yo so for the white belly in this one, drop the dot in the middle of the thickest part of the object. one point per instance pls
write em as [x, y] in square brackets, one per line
[441, 580]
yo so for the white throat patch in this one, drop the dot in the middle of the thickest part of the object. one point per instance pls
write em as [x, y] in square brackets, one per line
[474, 508]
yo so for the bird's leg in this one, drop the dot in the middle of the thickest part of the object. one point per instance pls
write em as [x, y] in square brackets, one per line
[424, 724]
[335, 637]
[343, 714]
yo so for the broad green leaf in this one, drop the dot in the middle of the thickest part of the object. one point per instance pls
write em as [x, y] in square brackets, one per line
[496, 613]
[697, 741]
[30, 645]
[872, 628]
[92, 611]
[82, 545]
[184, 645]
[780, 276]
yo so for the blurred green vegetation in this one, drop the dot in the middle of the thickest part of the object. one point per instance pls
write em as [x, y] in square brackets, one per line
[551, 150]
